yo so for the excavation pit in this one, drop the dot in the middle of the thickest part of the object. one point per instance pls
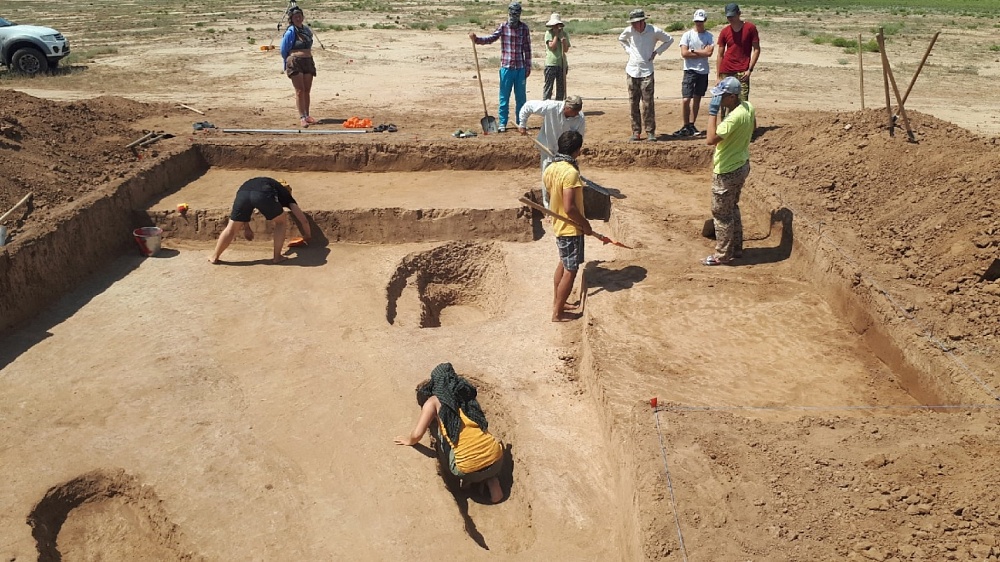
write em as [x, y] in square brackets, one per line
[292, 366]
[456, 283]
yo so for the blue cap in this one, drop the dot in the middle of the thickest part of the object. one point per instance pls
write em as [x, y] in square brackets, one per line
[728, 85]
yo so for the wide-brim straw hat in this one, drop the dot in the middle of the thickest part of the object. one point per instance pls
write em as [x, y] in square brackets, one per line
[554, 20]
[636, 15]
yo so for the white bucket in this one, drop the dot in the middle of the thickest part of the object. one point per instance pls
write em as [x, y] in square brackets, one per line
[148, 239]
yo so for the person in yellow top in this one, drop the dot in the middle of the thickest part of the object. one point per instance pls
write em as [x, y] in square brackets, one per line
[565, 189]
[464, 446]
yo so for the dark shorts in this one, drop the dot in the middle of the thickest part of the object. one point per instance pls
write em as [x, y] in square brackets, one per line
[300, 65]
[695, 84]
[264, 201]
[570, 251]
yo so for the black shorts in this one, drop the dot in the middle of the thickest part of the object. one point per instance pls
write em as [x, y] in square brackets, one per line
[695, 84]
[264, 201]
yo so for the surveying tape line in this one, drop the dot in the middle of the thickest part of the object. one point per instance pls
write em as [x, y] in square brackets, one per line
[683, 408]
[670, 486]
[926, 332]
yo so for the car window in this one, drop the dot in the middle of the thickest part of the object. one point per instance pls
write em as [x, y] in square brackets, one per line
[5, 23]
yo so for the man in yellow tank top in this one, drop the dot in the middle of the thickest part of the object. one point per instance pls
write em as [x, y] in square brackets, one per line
[465, 447]
[565, 188]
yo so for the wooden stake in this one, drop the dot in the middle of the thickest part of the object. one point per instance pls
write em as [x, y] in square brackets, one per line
[885, 82]
[919, 68]
[895, 90]
[861, 72]
[191, 108]
[23, 200]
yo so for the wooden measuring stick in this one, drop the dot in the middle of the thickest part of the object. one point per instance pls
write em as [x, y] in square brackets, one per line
[895, 90]
[919, 68]
[885, 82]
[861, 72]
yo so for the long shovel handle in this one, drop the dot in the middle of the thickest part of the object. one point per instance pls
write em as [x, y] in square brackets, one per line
[556, 215]
[479, 75]
[586, 182]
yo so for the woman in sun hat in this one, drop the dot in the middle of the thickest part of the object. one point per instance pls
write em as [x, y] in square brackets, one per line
[556, 67]
[296, 51]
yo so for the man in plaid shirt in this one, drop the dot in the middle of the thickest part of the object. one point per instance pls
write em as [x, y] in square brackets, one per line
[515, 60]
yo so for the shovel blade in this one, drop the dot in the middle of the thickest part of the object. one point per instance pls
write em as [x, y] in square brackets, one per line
[489, 124]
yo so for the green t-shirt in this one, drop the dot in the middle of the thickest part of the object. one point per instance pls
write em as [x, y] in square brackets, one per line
[554, 58]
[734, 149]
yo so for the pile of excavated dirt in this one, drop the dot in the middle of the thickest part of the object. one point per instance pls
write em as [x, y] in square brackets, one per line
[59, 151]
[923, 218]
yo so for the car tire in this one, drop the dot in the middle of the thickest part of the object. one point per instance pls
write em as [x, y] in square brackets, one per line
[29, 61]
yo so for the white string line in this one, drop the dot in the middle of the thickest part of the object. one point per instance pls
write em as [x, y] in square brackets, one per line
[685, 408]
[670, 485]
[926, 332]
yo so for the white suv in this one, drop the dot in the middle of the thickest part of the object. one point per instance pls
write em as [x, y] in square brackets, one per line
[30, 49]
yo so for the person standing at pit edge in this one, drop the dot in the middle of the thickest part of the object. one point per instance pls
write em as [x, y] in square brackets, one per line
[696, 47]
[565, 186]
[730, 166]
[739, 49]
[268, 196]
[556, 67]
[515, 60]
[557, 118]
[296, 52]
[639, 41]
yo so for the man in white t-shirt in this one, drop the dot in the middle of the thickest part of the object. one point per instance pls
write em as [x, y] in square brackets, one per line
[696, 47]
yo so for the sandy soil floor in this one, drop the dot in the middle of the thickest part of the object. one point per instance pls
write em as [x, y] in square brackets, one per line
[172, 410]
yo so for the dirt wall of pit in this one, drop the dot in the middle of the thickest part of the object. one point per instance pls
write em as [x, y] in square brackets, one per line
[430, 156]
[55, 255]
[925, 370]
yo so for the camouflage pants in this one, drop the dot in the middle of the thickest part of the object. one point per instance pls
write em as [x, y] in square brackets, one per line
[642, 88]
[726, 189]
[744, 86]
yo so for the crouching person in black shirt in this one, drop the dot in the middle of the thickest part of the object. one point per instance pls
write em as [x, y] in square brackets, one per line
[270, 197]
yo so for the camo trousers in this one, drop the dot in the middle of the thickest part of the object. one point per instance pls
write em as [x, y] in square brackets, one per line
[642, 89]
[726, 189]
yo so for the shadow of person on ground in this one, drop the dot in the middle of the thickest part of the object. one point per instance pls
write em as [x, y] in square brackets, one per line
[781, 252]
[604, 279]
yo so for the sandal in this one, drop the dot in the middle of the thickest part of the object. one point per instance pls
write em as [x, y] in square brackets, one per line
[713, 260]
[311, 120]
[304, 123]
[391, 128]
[379, 129]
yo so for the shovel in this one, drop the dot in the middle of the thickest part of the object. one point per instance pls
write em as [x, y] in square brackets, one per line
[600, 189]
[488, 122]
[556, 215]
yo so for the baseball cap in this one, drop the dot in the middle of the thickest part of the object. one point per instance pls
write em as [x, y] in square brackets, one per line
[728, 85]
[636, 15]
[732, 9]
[699, 15]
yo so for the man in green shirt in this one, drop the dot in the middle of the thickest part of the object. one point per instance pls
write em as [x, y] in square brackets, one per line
[730, 167]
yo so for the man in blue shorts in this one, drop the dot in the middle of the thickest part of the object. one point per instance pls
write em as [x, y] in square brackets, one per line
[270, 197]
[565, 187]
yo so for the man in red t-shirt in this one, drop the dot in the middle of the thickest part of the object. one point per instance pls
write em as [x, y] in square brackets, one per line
[739, 48]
